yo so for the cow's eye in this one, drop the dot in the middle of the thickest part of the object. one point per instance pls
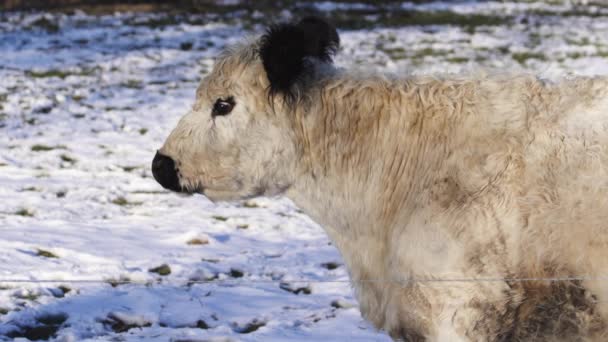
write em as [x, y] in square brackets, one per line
[223, 107]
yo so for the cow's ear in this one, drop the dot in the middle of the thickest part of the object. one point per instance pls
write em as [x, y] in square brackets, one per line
[285, 50]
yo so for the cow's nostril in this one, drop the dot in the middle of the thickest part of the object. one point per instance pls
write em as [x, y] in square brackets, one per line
[157, 163]
[163, 170]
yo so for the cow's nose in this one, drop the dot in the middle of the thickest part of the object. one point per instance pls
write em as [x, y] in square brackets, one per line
[163, 169]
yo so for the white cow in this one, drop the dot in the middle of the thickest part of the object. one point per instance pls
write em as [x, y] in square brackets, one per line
[502, 179]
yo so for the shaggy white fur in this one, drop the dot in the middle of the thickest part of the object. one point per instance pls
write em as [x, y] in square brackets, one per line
[427, 178]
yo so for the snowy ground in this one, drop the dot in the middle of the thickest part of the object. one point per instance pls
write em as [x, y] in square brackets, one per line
[86, 100]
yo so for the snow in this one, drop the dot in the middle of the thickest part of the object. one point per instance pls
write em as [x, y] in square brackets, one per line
[83, 108]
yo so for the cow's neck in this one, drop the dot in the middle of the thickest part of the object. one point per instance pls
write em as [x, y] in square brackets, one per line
[361, 167]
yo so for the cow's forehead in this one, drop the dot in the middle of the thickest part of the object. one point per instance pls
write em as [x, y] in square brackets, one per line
[231, 62]
[238, 55]
[238, 68]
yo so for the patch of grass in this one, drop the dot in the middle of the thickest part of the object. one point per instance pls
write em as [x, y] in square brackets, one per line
[504, 49]
[576, 55]
[4, 311]
[418, 54]
[522, 57]
[110, 108]
[60, 291]
[157, 22]
[24, 212]
[120, 325]
[295, 289]
[534, 39]
[62, 74]
[35, 333]
[45, 253]
[162, 270]
[46, 25]
[52, 318]
[67, 159]
[250, 204]
[584, 41]
[202, 324]
[242, 226]
[30, 188]
[121, 201]
[43, 110]
[341, 304]
[78, 98]
[45, 148]
[81, 41]
[235, 273]
[250, 327]
[3, 98]
[395, 52]
[457, 60]
[133, 84]
[120, 281]
[186, 46]
[198, 241]
[65, 289]
[330, 265]
[143, 131]
[577, 11]
[42, 148]
[128, 168]
[220, 218]
[148, 192]
[213, 261]
[399, 18]
[48, 73]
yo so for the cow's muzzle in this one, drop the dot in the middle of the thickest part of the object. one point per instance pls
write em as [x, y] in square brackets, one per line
[165, 173]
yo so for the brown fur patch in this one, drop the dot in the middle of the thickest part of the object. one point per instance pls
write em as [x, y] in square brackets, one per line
[405, 334]
[549, 311]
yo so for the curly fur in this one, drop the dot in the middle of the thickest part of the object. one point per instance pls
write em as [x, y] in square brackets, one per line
[487, 176]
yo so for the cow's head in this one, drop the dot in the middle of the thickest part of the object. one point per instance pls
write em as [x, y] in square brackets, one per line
[238, 141]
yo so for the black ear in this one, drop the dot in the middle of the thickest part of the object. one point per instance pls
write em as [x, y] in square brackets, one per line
[285, 47]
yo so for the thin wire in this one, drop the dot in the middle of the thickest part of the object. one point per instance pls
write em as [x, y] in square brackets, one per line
[409, 282]
[269, 281]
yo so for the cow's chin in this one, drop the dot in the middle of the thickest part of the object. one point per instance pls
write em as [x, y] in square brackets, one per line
[215, 195]
[238, 192]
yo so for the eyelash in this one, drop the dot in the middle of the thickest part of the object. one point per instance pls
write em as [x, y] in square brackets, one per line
[223, 107]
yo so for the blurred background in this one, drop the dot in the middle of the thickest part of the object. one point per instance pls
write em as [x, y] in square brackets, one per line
[92, 249]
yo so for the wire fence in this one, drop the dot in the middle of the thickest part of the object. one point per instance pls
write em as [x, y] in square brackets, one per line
[451, 282]
[245, 281]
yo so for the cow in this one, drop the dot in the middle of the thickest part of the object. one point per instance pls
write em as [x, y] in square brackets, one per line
[465, 207]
